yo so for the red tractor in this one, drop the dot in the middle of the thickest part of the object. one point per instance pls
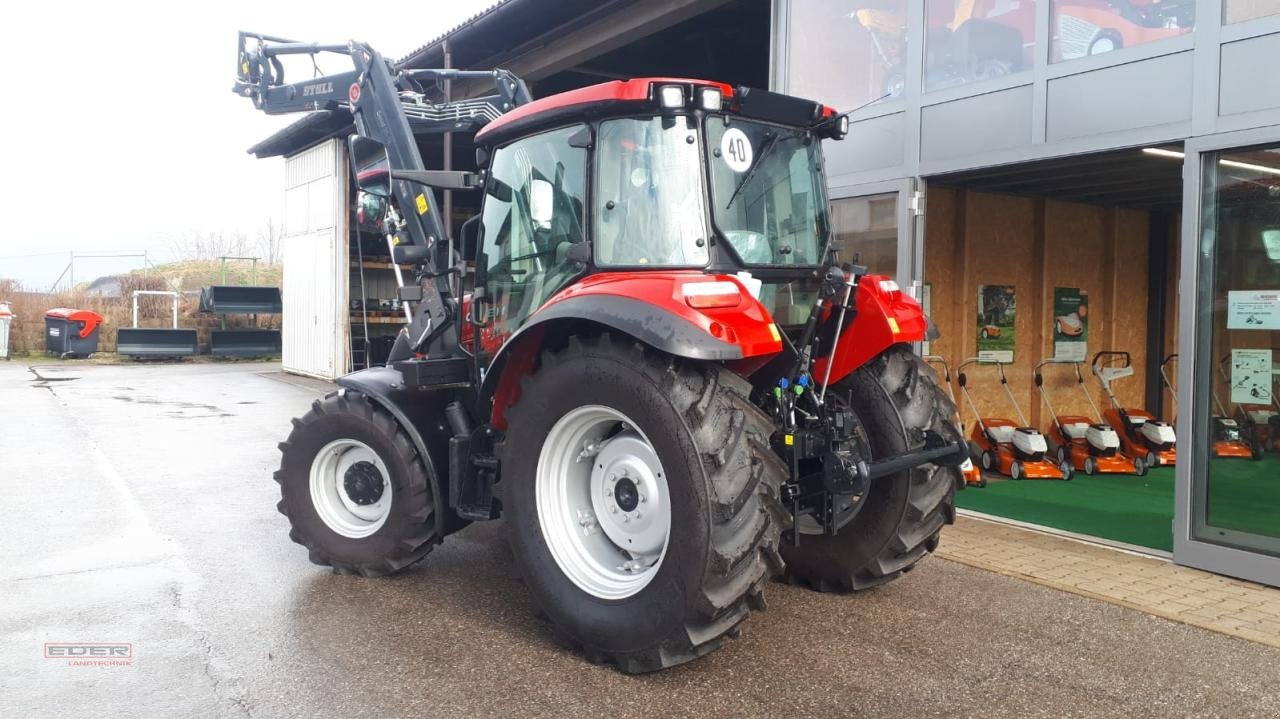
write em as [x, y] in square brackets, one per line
[657, 374]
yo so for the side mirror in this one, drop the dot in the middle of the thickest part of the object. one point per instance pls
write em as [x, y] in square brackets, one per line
[371, 165]
[469, 238]
[541, 203]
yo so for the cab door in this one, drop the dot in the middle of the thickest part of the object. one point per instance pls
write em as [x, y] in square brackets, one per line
[534, 205]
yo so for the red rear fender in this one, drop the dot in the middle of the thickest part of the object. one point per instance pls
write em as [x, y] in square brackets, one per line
[658, 309]
[886, 316]
[687, 314]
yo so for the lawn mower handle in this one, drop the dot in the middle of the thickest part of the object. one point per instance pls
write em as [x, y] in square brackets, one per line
[1109, 353]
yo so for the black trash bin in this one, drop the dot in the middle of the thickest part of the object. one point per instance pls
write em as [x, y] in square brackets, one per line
[70, 332]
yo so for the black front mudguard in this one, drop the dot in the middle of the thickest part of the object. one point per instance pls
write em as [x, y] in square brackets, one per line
[421, 414]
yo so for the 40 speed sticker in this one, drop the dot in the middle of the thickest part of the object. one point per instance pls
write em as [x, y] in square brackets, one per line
[735, 150]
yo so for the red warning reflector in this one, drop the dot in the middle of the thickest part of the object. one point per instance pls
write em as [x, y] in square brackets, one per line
[353, 93]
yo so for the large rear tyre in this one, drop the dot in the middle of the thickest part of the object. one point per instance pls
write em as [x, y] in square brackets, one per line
[653, 583]
[354, 489]
[896, 397]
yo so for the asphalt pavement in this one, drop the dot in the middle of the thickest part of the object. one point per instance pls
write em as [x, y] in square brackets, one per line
[138, 508]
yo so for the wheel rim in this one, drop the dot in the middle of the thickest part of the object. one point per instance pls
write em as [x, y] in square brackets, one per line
[350, 488]
[1101, 45]
[603, 503]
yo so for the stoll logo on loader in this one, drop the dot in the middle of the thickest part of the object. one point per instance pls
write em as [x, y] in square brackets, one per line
[91, 654]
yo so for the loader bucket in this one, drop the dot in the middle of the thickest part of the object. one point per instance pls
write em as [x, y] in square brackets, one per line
[155, 342]
[244, 343]
[232, 299]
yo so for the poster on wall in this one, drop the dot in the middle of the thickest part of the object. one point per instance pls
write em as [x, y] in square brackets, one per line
[1253, 310]
[1251, 376]
[997, 307]
[1070, 324]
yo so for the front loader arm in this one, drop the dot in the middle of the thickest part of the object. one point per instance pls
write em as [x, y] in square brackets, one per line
[387, 104]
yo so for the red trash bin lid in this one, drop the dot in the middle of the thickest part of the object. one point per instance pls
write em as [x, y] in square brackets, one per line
[89, 319]
[5, 311]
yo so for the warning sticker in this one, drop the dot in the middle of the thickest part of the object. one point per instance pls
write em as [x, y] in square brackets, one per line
[422, 203]
[735, 150]
[1253, 310]
[1251, 376]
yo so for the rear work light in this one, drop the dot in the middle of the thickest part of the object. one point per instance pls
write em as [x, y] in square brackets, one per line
[708, 295]
[710, 99]
[671, 96]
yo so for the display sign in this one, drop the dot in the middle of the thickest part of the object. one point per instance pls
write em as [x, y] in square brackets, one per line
[1070, 324]
[1251, 376]
[1253, 310]
[997, 308]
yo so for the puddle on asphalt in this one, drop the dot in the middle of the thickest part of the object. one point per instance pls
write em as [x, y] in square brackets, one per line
[181, 410]
[43, 380]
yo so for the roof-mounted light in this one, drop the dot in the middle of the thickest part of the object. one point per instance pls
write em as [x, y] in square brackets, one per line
[710, 99]
[671, 96]
[842, 127]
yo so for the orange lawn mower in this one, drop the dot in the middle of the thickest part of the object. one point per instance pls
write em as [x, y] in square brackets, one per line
[972, 475]
[1257, 421]
[1001, 445]
[1142, 434]
[1088, 444]
[1227, 441]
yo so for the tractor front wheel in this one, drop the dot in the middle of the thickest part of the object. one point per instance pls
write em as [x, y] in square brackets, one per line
[896, 397]
[354, 489]
[641, 501]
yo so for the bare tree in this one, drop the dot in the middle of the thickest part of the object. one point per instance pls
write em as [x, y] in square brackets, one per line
[211, 245]
[268, 244]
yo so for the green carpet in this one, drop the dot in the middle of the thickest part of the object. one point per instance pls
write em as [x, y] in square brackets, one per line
[1244, 495]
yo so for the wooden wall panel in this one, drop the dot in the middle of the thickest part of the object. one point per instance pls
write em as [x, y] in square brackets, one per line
[940, 257]
[997, 237]
[1170, 319]
[975, 238]
[1128, 319]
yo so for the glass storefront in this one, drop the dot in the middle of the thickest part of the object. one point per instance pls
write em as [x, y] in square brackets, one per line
[1234, 11]
[853, 52]
[1236, 463]
[867, 227]
[967, 41]
[1091, 27]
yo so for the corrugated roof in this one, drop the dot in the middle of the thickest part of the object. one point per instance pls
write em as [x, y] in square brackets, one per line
[439, 39]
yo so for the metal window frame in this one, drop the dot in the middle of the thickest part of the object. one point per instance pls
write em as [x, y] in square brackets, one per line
[1191, 484]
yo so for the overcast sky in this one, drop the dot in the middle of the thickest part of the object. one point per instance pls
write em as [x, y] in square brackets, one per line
[122, 131]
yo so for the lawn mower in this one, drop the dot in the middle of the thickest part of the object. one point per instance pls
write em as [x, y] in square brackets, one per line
[1259, 421]
[1088, 444]
[973, 476]
[1001, 445]
[1227, 439]
[1142, 434]
[620, 379]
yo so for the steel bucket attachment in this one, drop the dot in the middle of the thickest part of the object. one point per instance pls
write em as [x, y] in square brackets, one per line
[232, 299]
[244, 343]
[155, 342]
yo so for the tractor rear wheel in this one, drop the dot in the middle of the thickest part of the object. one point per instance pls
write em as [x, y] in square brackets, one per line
[354, 489]
[896, 397]
[641, 500]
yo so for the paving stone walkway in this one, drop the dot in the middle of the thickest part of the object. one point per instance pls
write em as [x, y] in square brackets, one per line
[1148, 584]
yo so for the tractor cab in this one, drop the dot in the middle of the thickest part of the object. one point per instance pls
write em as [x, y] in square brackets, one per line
[675, 177]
